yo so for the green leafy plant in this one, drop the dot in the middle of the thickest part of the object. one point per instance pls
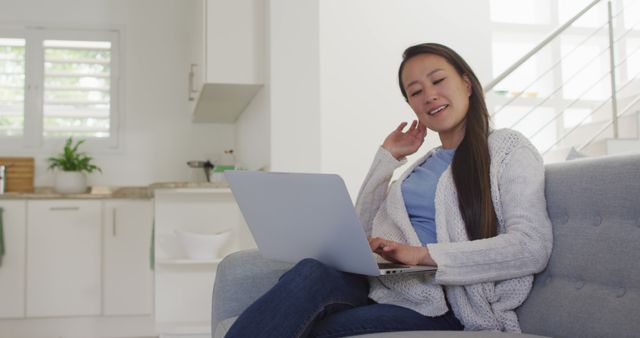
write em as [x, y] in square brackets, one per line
[72, 160]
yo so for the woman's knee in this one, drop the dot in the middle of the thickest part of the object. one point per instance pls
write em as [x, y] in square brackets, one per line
[308, 267]
[308, 275]
[312, 271]
[312, 264]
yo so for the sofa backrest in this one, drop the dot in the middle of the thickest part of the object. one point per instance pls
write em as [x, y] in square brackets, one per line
[591, 286]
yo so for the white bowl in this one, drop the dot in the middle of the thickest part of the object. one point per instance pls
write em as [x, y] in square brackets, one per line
[202, 247]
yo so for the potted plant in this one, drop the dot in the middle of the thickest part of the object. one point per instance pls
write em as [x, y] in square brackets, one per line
[71, 164]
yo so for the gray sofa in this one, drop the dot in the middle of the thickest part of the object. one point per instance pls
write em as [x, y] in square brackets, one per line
[591, 287]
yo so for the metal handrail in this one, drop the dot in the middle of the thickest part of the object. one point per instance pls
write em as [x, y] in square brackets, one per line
[607, 125]
[538, 47]
[586, 91]
[549, 69]
[581, 123]
[555, 117]
[557, 89]
[613, 67]
[579, 71]
[576, 100]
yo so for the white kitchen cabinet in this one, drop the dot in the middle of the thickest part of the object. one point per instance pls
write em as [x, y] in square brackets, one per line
[235, 41]
[12, 267]
[128, 278]
[183, 286]
[63, 258]
[234, 59]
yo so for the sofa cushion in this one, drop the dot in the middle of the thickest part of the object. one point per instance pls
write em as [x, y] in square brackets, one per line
[247, 275]
[591, 286]
[221, 329]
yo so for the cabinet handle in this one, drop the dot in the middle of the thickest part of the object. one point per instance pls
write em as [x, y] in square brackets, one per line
[192, 75]
[114, 226]
[64, 208]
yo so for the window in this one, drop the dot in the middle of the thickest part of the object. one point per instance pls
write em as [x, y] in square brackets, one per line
[77, 83]
[12, 75]
[58, 83]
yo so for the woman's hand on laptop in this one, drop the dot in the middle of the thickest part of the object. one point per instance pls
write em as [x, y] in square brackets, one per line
[401, 253]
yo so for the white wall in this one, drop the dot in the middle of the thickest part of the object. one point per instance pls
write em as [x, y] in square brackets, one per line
[253, 136]
[334, 74]
[280, 130]
[295, 85]
[160, 40]
[253, 128]
[361, 45]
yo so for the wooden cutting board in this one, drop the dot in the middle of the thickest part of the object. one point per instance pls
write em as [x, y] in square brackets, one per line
[19, 172]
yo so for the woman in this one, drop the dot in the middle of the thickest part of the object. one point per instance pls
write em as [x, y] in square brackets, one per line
[474, 207]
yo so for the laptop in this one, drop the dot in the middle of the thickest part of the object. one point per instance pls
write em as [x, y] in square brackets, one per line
[293, 216]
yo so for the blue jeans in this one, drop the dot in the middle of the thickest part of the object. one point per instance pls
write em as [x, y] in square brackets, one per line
[314, 300]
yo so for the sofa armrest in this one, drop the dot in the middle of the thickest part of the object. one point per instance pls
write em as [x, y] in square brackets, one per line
[241, 278]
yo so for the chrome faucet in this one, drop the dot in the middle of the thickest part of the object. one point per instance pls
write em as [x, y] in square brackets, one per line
[206, 165]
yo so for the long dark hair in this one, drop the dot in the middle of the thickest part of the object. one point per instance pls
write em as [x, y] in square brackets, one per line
[470, 166]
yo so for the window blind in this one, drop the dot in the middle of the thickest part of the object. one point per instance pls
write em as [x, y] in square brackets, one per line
[12, 83]
[77, 88]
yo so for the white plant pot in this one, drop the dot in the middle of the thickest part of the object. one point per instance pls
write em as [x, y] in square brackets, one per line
[70, 182]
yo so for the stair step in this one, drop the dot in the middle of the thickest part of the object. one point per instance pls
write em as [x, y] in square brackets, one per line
[623, 146]
[598, 148]
[561, 154]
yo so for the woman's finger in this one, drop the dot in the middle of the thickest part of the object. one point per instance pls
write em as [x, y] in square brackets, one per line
[375, 243]
[390, 246]
[401, 126]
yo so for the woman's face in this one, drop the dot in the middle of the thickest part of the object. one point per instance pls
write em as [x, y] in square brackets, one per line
[438, 95]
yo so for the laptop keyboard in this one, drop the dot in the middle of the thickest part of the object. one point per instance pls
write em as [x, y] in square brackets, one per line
[391, 266]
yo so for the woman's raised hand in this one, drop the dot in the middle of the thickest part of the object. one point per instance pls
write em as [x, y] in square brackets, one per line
[400, 143]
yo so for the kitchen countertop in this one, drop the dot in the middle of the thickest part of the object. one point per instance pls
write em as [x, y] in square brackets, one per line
[105, 192]
[189, 185]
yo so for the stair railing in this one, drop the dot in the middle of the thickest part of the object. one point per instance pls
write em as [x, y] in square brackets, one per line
[584, 92]
[489, 86]
[613, 121]
[624, 112]
[547, 71]
[614, 90]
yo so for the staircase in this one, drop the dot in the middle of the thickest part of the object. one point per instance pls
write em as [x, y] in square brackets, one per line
[595, 111]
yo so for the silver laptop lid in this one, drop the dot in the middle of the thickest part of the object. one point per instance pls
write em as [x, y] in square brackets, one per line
[293, 216]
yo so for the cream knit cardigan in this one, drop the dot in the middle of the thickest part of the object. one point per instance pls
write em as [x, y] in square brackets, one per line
[484, 280]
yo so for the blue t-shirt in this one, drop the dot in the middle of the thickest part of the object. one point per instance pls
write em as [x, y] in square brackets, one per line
[419, 193]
